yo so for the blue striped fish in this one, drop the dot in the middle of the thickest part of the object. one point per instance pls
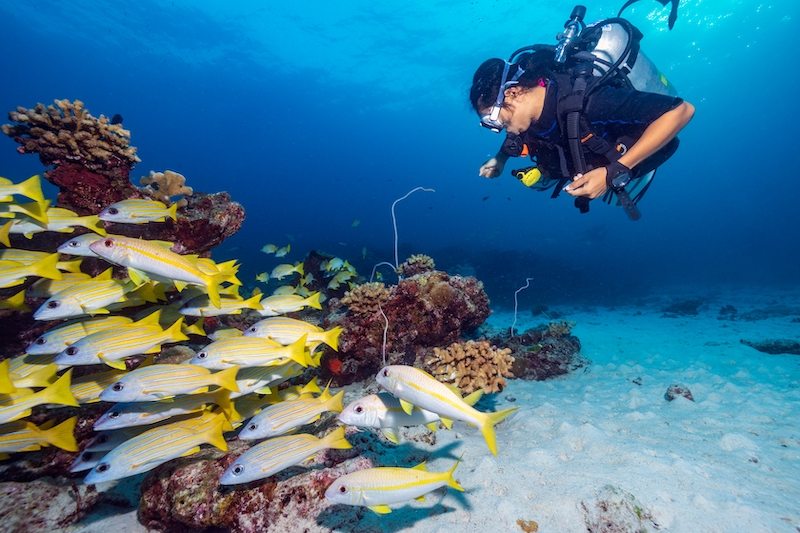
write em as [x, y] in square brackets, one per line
[285, 416]
[161, 381]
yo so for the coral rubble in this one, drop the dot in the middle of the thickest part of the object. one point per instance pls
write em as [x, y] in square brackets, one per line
[472, 365]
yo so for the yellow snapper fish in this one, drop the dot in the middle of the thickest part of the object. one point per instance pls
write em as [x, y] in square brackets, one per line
[138, 211]
[247, 352]
[157, 382]
[124, 415]
[17, 407]
[415, 387]
[32, 371]
[24, 436]
[30, 188]
[225, 333]
[285, 269]
[283, 417]
[31, 256]
[34, 210]
[284, 289]
[87, 388]
[263, 277]
[288, 330]
[276, 305]
[269, 248]
[112, 346]
[84, 299]
[155, 447]
[45, 288]
[201, 306]
[6, 385]
[58, 339]
[58, 220]
[274, 455]
[15, 302]
[144, 257]
[375, 488]
[13, 273]
[281, 252]
[261, 379]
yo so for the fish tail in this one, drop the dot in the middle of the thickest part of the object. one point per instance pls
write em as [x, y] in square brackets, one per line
[173, 211]
[487, 428]
[73, 266]
[254, 303]
[336, 440]
[63, 435]
[93, 223]
[4, 233]
[451, 481]
[212, 289]
[332, 337]
[16, 302]
[32, 188]
[335, 403]
[227, 379]
[6, 385]
[223, 400]
[300, 269]
[174, 333]
[47, 267]
[213, 435]
[313, 300]
[59, 392]
[297, 350]
[195, 329]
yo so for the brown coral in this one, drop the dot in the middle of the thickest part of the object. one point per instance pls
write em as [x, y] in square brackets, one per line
[67, 132]
[162, 186]
[472, 366]
[365, 299]
[560, 328]
[416, 264]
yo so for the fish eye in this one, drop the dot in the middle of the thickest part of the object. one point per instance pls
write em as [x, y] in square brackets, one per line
[118, 386]
[52, 305]
[102, 467]
[238, 470]
[108, 243]
[87, 456]
[40, 341]
[113, 211]
[342, 489]
[254, 329]
[102, 439]
[252, 427]
[358, 409]
[386, 372]
[113, 414]
[73, 244]
[202, 355]
[71, 350]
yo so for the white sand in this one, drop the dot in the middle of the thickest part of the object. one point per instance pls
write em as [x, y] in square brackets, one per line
[728, 462]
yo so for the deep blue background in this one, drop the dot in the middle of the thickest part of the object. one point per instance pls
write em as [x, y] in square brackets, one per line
[315, 115]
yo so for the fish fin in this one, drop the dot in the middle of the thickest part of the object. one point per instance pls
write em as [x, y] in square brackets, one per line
[180, 285]
[487, 427]
[213, 435]
[4, 456]
[32, 188]
[73, 266]
[380, 509]
[16, 302]
[60, 393]
[297, 350]
[191, 452]
[336, 439]
[174, 333]
[153, 319]
[137, 276]
[393, 434]
[63, 435]
[172, 211]
[473, 398]
[433, 426]
[331, 337]
[154, 349]
[6, 385]
[447, 423]
[119, 364]
[263, 390]
[42, 377]
[451, 481]
[314, 300]
[335, 403]
[420, 498]
[195, 329]
[407, 407]
[101, 311]
[254, 303]
[4, 234]
[227, 379]
[420, 467]
[310, 387]
[105, 275]
[48, 267]
[93, 223]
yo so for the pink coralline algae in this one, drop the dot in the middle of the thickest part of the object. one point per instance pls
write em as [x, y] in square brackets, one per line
[424, 311]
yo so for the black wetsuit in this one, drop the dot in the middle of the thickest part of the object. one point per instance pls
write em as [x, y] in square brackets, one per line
[616, 115]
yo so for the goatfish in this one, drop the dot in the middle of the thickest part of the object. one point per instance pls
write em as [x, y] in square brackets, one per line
[137, 211]
[288, 330]
[249, 352]
[15, 408]
[415, 387]
[274, 455]
[283, 417]
[84, 299]
[201, 306]
[161, 381]
[24, 436]
[58, 339]
[124, 415]
[14, 273]
[112, 346]
[375, 488]
[142, 257]
[30, 188]
[276, 305]
[286, 269]
[155, 447]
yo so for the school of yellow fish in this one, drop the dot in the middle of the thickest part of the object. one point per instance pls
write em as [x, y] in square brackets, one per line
[164, 411]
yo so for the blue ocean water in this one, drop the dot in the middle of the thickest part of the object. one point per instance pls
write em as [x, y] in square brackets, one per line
[317, 114]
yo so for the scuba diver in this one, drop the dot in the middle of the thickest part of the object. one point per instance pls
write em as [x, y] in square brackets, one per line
[594, 114]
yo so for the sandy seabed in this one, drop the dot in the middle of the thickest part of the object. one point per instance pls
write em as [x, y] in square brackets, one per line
[729, 461]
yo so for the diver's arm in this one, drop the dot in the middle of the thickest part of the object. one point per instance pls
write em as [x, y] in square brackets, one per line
[493, 167]
[655, 136]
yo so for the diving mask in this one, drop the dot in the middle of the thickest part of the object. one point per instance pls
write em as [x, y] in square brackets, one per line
[491, 120]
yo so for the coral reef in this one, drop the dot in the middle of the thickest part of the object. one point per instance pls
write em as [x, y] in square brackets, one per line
[774, 346]
[44, 505]
[163, 186]
[543, 352]
[425, 311]
[472, 365]
[560, 328]
[416, 264]
[366, 299]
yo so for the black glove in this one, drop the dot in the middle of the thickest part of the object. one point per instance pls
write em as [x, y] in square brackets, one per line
[614, 171]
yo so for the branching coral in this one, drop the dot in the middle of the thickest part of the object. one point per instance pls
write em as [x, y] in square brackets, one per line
[67, 132]
[163, 186]
[364, 299]
[416, 264]
[472, 366]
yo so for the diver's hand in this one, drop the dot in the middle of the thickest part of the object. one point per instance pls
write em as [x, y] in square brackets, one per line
[591, 185]
[492, 168]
